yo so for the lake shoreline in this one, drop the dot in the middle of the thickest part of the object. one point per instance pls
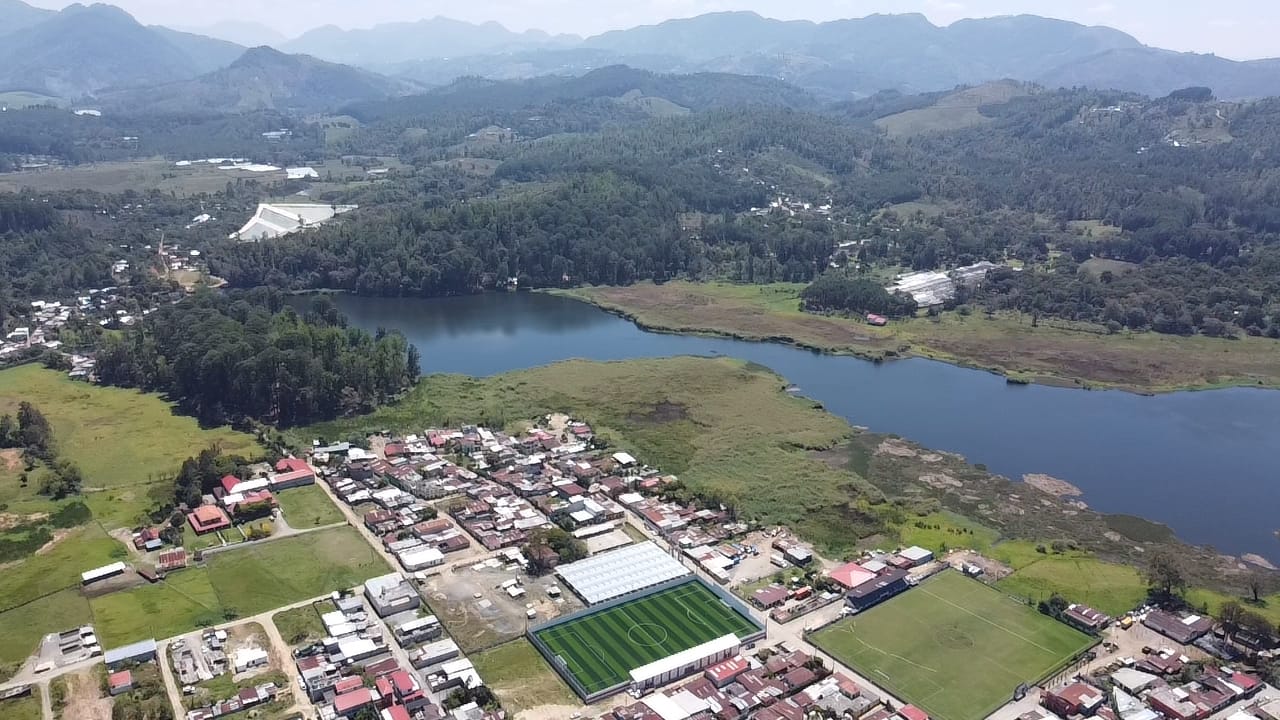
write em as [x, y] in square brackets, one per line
[1048, 377]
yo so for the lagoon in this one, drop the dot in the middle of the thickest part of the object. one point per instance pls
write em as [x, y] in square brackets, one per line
[1203, 463]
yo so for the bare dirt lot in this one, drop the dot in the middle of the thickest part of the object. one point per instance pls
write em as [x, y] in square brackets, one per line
[478, 612]
[85, 700]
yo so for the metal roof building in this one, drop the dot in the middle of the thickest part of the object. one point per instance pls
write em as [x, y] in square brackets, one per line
[620, 572]
[137, 652]
[105, 571]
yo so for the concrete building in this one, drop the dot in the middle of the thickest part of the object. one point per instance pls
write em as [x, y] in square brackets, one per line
[391, 594]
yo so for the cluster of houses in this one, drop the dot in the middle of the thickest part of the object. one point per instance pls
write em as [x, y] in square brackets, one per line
[245, 699]
[782, 685]
[353, 672]
[509, 487]
[1145, 692]
[863, 583]
[239, 500]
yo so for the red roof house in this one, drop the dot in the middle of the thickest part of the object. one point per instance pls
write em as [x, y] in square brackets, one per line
[207, 519]
[229, 483]
[121, 682]
[851, 575]
[1077, 698]
[396, 712]
[348, 704]
[291, 464]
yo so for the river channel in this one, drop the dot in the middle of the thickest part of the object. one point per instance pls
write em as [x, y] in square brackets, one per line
[1204, 463]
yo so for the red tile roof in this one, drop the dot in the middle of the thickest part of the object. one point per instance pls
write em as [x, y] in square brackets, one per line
[396, 712]
[124, 678]
[292, 465]
[229, 482]
[347, 684]
[851, 575]
[208, 518]
[350, 701]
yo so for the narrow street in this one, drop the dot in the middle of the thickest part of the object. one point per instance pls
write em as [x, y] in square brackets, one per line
[170, 685]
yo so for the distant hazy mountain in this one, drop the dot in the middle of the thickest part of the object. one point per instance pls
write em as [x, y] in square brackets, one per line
[243, 33]
[862, 56]
[206, 53]
[84, 49]
[16, 15]
[393, 43]
[264, 78]
[698, 91]
[1157, 72]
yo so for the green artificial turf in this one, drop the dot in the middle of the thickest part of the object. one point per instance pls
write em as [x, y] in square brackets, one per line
[601, 649]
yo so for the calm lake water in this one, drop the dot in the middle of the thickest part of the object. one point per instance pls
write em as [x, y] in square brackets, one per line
[1203, 463]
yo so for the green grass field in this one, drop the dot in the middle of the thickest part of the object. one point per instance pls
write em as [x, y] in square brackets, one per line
[182, 602]
[22, 628]
[601, 649]
[237, 583]
[302, 624]
[521, 678]
[27, 708]
[260, 577]
[126, 442]
[952, 646]
[308, 507]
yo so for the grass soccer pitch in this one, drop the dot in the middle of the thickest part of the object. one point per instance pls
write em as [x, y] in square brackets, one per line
[600, 649]
[952, 646]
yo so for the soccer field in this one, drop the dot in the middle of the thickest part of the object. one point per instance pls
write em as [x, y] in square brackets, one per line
[952, 646]
[601, 649]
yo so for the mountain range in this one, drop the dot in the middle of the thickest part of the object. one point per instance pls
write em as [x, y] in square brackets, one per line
[101, 51]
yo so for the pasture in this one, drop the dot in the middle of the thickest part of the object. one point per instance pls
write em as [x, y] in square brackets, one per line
[953, 646]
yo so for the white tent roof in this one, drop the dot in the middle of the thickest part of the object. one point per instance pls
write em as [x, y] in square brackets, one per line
[617, 573]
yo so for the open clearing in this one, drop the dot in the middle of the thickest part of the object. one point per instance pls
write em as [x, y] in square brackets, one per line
[241, 582]
[521, 678]
[952, 112]
[303, 624]
[272, 574]
[182, 601]
[953, 646]
[1061, 353]
[600, 649]
[308, 507]
[125, 442]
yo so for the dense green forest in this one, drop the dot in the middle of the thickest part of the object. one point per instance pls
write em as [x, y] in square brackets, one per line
[228, 356]
[585, 181]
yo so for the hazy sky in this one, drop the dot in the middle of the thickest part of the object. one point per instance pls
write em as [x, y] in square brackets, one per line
[1239, 29]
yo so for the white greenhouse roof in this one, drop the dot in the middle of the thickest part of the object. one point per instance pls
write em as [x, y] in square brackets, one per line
[619, 572]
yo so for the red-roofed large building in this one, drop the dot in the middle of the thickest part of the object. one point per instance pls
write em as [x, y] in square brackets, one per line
[229, 483]
[207, 519]
[851, 575]
[722, 674]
